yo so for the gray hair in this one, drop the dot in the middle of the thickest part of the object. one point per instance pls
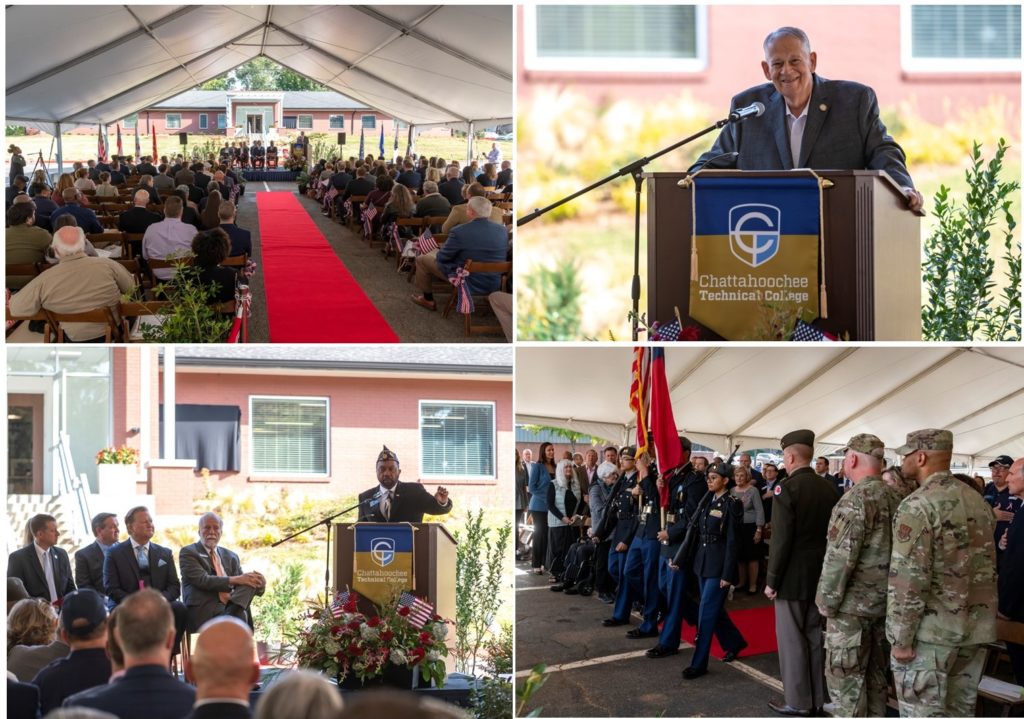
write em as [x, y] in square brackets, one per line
[210, 514]
[429, 187]
[787, 32]
[300, 695]
[78, 713]
[480, 206]
[68, 240]
[605, 469]
[141, 197]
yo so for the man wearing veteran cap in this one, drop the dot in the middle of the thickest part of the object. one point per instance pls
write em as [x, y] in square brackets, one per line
[800, 516]
[853, 584]
[83, 626]
[394, 501]
[942, 584]
[997, 494]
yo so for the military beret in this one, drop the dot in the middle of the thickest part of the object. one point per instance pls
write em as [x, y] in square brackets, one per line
[798, 436]
[628, 453]
[386, 455]
[721, 469]
[927, 439]
[866, 444]
[1002, 460]
[685, 443]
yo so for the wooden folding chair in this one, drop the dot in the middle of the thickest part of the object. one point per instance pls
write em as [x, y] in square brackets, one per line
[132, 311]
[99, 315]
[354, 216]
[170, 264]
[414, 222]
[39, 316]
[1006, 631]
[134, 268]
[503, 268]
[26, 269]
[235, 260]
[130, 238]
[109, 222]
[105, 239]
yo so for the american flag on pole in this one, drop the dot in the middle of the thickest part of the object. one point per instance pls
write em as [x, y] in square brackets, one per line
[464, 303]
[369, 212]
[339, 601]
[101, 147]
[804, 332]
[639, 395]
[396, 240]
[420, 611]
[138, 145]
[120, 149]
[425, 242]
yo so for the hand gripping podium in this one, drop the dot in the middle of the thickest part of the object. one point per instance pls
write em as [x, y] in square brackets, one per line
[872, 254]
[433, 563]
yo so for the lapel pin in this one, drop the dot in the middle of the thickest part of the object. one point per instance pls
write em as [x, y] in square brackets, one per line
[823, 107]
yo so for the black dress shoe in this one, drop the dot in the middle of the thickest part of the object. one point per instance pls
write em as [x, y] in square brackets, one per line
[787, 710]
[556, 587]
[659, 651]
[571, 590]
[693, 672]
[606, 598]
[637, 634]
[731, 655]
[613, 622]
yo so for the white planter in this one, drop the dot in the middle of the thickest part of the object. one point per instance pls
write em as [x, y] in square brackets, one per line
[117, 478]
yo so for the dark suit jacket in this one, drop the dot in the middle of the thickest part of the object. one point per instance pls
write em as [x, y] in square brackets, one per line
[121, 574]
[433, 206]
[800, 515]
[89, 567]
[85, 217]
[220, 710]
[241, 240]
[150, 686]
[505, 178]
[137, 219]
[340, 180]
[410, 502]
[359, 186]
[410, 179]
[146, 168]
[202, 180]
[200, 584]
[24, 564]
[22, 700]
[847, 135]
[480, 240]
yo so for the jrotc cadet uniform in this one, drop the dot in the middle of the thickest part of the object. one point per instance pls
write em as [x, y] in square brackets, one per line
[619, 526]
[942, 589]
[641, 569]
[852, 591]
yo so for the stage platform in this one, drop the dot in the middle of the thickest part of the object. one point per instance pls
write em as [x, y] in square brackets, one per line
[279, 175]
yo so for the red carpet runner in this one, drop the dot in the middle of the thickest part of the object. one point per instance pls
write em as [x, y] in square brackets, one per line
[756, 625]
[311, 297]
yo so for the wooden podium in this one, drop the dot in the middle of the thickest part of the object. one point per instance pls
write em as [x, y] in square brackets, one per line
[433, 563]
[872, 254]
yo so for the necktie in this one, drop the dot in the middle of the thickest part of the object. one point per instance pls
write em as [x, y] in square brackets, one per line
[218, 569]
[48, 573]
[385, 506]
[143, 557]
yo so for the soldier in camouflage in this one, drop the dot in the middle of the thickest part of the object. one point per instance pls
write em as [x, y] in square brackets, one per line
[942, 584]
[852, 588]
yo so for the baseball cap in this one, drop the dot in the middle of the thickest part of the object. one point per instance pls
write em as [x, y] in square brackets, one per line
[82, 611]
[865, 444]
[927, 439]
[1002, 460]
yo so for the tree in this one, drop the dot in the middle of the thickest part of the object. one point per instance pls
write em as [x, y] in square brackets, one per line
[262, 73]
[218, 83]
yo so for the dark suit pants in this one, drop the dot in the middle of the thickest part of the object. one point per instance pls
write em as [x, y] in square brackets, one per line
[712, 597]
[559, 540]
[604, 582]
[727, 634]
[180, 623]
[641, 583]
[801, 640]
[540, 538]
[672, 584]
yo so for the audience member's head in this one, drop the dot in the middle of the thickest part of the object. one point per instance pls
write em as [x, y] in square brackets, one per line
[210, 247]
[212, 187]
[69, 194]
[32, 622]
[300, 695]
[67, 220]
[173, 207]
[145, 628]
[146, 181]
[429, 187]
[105, 178]
[401, 200]
[468, 175]
[139, 523]
[141, 197]
[21, 213]
[474, 189]
[15, 592]
[68, 241]
[224, 662]
[114, 651]
[83, 619]
[78, 713]
[385, 183]
[226, 213]
[452, 173]
[479, 207]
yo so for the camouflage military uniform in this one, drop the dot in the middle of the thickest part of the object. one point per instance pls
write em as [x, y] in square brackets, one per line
[851, 593]
[942, 596]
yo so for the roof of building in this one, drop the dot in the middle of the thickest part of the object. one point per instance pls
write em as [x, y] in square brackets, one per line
[435, 358]
[293, 100]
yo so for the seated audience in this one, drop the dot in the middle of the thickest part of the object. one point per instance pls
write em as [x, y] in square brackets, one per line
[24, 242]
[22, 700]
[300, 695]
[89, 559]
[146, 183]
[137, 219]
[39, 179]
[225, 668]
[400, 206]
[209, 249]
[17, 187]
[45, 206]
[163, 180]
[30, 562]
[210, 205]
[168, 238]
[145, 167]
[241, 240]
[117, 171]
[381, 194]
[409, 177]
[451, 188]
[32, 640]
[15, 592]
[460, 213]
[433, 204]
[505, 176]
[85, 217]
[82, 181]
[105, 189]
[360, 186]
[489, 177]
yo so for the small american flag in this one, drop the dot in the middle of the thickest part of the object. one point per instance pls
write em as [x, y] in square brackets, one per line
[396, 240]
[337, 604]
[425, 242]
[369, 212]
[669, 332]
[809, 333]
[420, 611]
[347, 207]
[331, 194]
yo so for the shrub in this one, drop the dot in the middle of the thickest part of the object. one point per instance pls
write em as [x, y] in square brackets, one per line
[550, 309]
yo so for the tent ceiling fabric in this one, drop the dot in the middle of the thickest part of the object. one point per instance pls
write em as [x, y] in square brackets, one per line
[755, 395]
[424, 64]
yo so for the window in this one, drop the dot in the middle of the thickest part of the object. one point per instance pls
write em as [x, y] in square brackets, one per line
[337, 122]
[130, 122]
[173, 122]
[222, 121]
[290, 122]
[960, 38]
[369, 122]
[289, 435]
[457, 439]
[204, 121]
[615, 38]
[305, 122]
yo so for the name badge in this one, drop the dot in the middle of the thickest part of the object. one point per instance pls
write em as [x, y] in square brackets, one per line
[715, 513]
[670, 518]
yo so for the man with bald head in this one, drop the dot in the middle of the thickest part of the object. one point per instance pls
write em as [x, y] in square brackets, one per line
[212, 581]
[225, 668]
[809, 121]
[137, 219]
[78, 283]
[942, 584]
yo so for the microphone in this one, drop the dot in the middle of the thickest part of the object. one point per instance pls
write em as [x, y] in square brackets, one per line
[755, 110]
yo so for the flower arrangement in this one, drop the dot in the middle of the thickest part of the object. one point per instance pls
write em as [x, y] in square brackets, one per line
[117, 455]
[341, 641]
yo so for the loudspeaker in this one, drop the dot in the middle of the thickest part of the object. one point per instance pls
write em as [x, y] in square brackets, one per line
[182, 138]
[341, 138]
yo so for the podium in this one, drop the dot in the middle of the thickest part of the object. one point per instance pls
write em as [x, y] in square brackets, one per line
[872, 254]
[433, 564]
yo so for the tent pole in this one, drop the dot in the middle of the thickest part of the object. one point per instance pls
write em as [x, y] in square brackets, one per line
[469, 143]
[408, 145]
[60, 152]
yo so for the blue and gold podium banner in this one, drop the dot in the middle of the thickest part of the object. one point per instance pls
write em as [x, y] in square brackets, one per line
[383, 563]
[755, 252]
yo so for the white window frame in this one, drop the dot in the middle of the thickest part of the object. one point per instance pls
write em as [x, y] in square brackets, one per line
[204, 121]
[330, 122]
[945, 65]
[167, 120]
[130, 122]
[494, 434]
[222, 120]
[252, 443]
[298, 122]
[362, 124]
[608, 65]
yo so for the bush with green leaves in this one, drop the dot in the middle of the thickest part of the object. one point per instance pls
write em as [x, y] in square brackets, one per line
[276, 615]
[964, 300]
[480, 573]
[551, 305]
[492, 696]
[188, 317]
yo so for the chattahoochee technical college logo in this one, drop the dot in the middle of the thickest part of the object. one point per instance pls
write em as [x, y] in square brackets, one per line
[754, 231]
[382, 550]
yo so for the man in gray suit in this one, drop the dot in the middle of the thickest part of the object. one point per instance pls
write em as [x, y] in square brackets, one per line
[809, 121]
[213, 583]
[89, 559]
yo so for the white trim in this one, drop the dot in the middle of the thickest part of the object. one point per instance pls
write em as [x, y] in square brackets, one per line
[330, 118]
[494, 441]
[364, 116]
[608, 65]
[204, 125]
[298, 121]
[909, 63]
[167, 122]
[327, 438]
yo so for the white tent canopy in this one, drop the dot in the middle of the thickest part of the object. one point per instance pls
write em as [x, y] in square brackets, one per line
[755, 395]
[423, 64]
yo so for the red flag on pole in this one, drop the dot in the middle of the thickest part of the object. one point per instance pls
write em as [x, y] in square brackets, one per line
[156, 156]
[663, 423]
[138, 147]
[120, 150]
[638, 397]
